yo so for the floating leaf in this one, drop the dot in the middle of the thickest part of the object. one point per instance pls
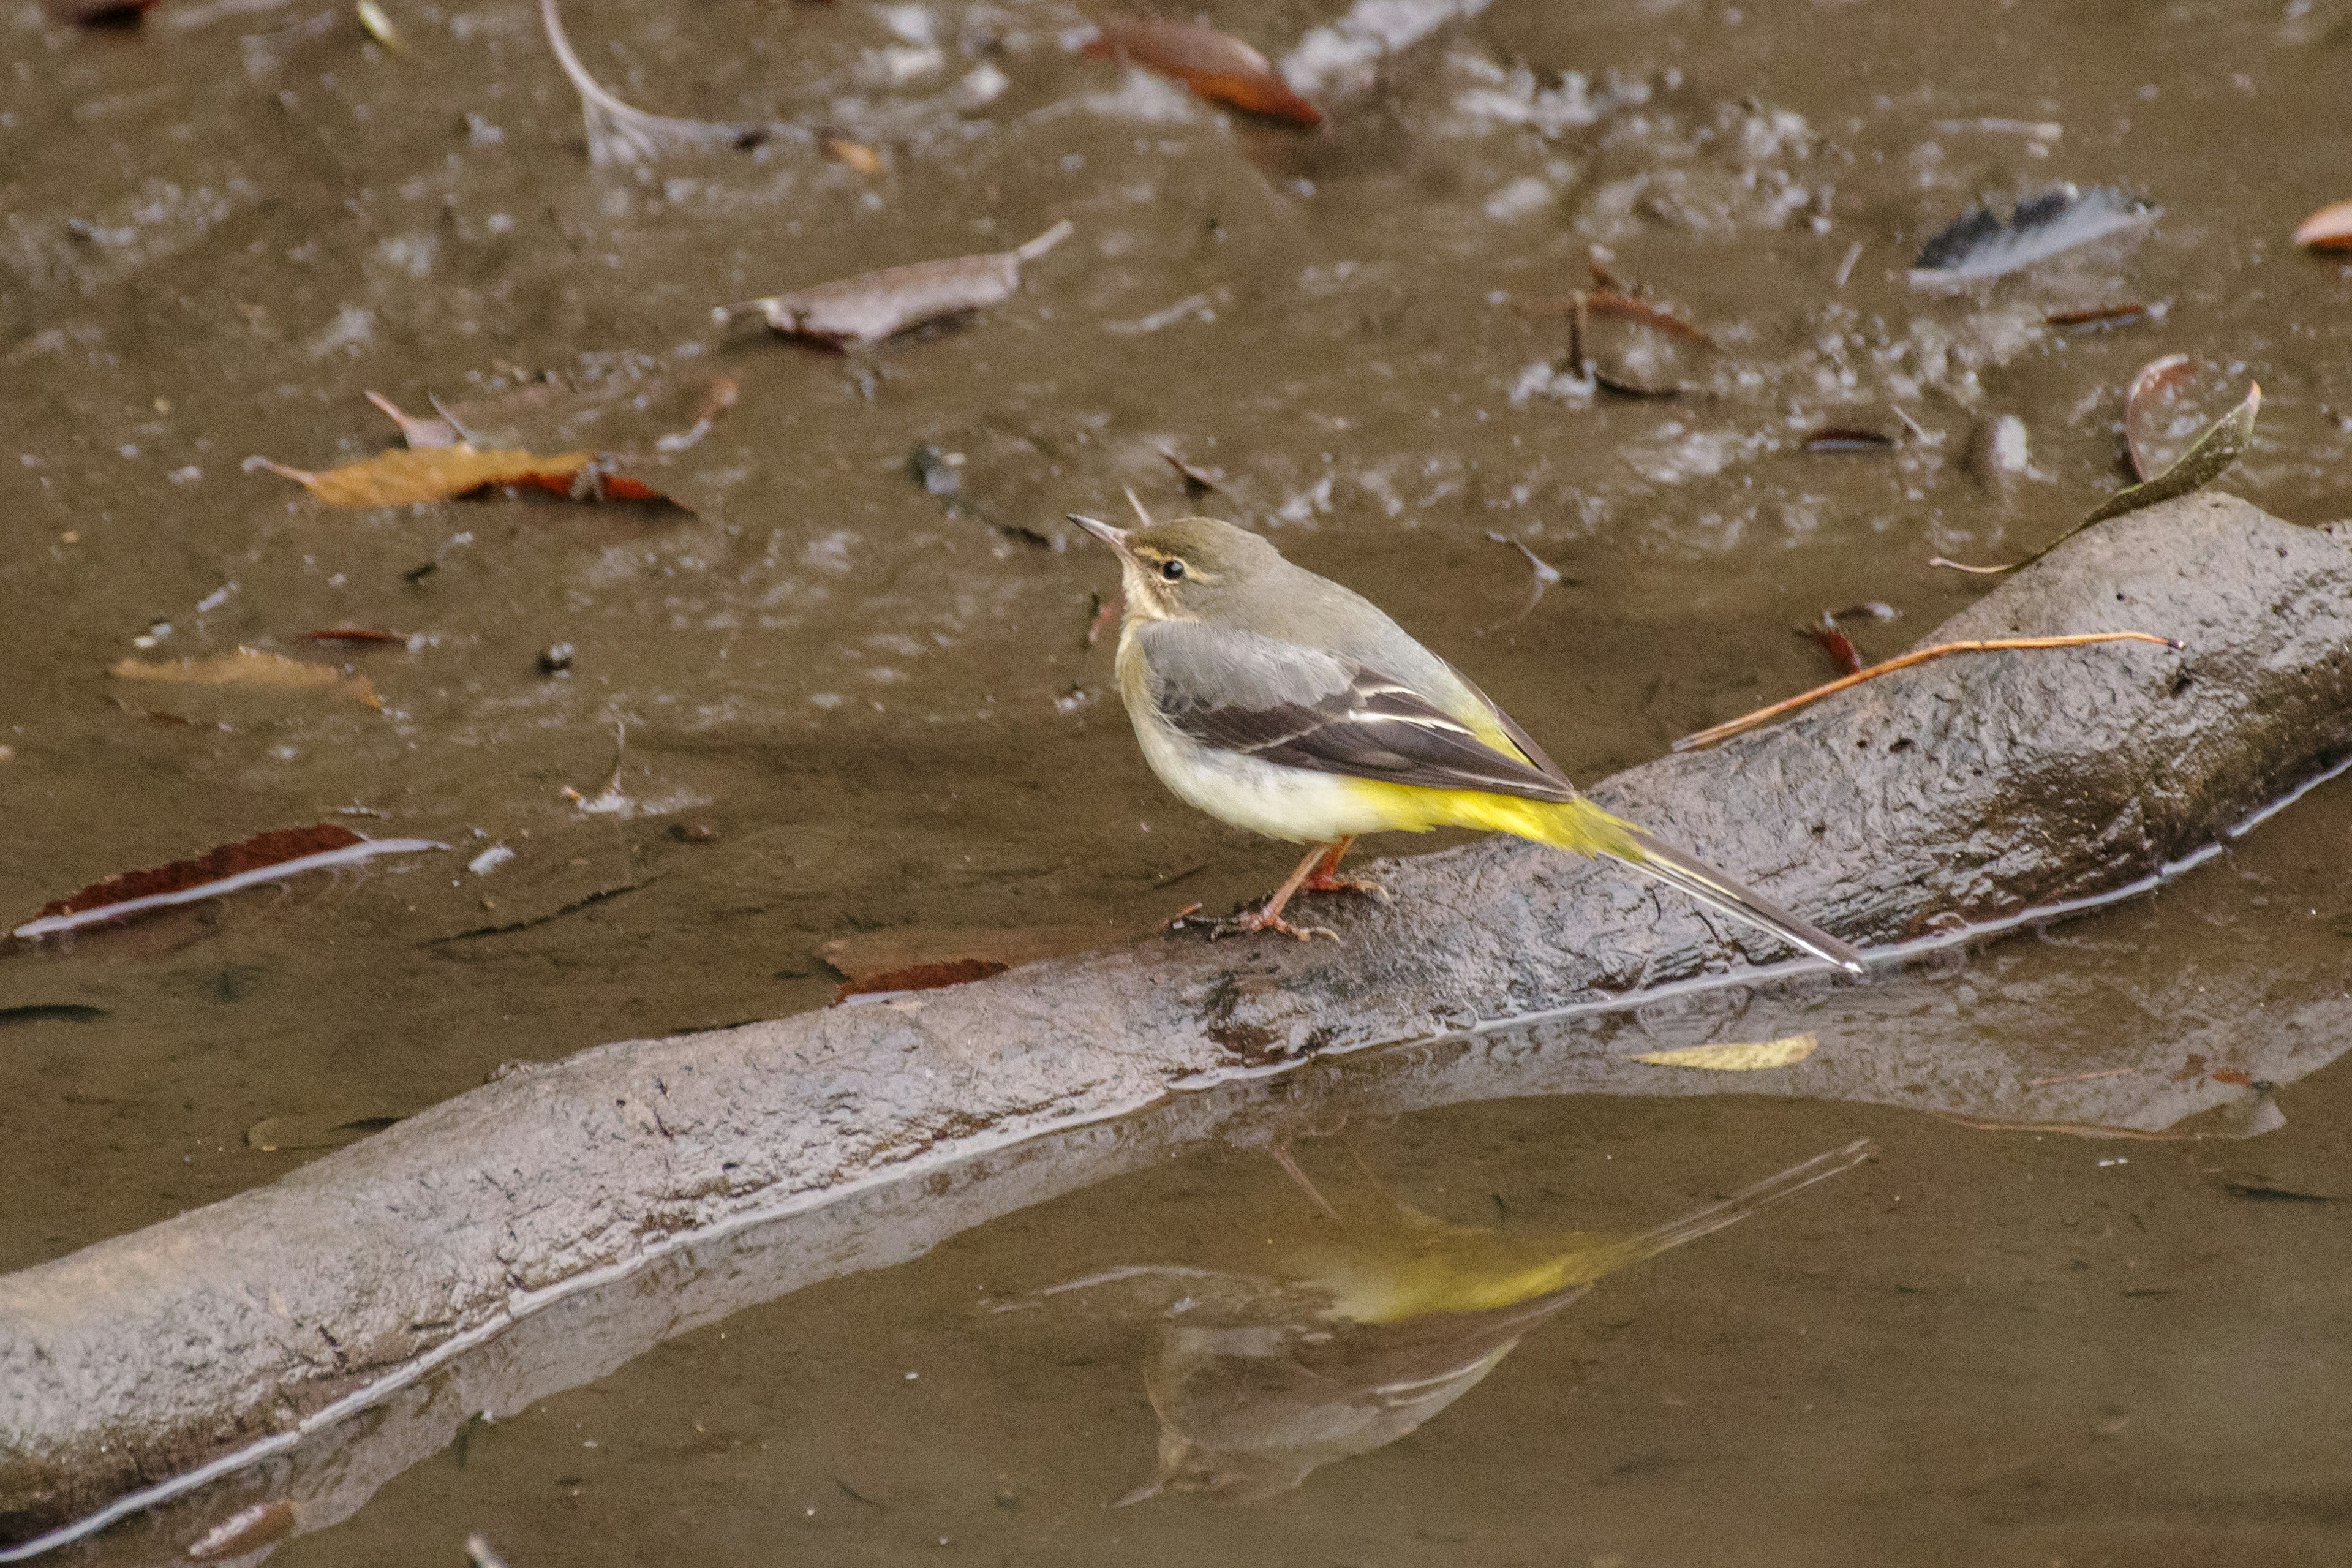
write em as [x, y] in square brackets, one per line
[265, 857]
[618, 134]
[2329, 228]
[2223, 443]
[1211, 63]
[2148, 407]
[1749, 1057]
[406, 475]
[249, 1529]
[866, 309]
[1980, 246]
[252, 668]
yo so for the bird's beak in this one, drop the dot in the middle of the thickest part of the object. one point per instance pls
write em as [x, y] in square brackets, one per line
[1114, 537]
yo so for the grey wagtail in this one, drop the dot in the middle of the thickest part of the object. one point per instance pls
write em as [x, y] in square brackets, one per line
[1280, 701]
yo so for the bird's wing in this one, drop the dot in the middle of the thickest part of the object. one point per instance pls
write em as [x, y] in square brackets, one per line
[1302, 708]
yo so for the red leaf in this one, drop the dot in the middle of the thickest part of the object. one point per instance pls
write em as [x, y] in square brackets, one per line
[1836, 644]
[263, 857]
[1212, 64]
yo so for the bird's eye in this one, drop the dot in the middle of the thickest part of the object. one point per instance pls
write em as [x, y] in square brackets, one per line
[1173, 569]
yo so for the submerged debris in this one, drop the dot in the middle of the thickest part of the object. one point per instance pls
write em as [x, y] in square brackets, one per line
[1980, 246]
[1212, 64]
[852, 312]
[618, 134]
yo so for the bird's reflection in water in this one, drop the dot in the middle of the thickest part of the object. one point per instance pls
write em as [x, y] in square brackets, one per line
[1377, 1317]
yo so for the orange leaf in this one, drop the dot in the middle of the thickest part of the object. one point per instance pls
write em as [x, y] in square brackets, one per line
[1211, 63]
[403, 475]
[2329, 228]
[251, 667]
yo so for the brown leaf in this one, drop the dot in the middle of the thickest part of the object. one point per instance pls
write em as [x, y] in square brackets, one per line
[1212, 64]
[920, 958]
[853, 311]
[1198, 482]
[2329, 228]
[263, 857]
[252, 668]
[2238, 1076]
[406, 475]
[248, 1530]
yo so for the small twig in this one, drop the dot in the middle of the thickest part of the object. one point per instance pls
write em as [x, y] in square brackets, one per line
[1137, 503]
[1290, 1163]
[1903, 661]
[1845, 268]
[1980, 571]
[2077, 1078]
[1546, 573]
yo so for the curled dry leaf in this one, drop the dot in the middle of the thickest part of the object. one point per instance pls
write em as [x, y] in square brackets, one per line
[248, 1530]
[1633, 346]
[618, 134]
[1980, 246]
[2149, 407]
[2329, 228]
[1212, 64]
[265, 857]
[853, 311]
[403, 475]
[252, 668]
[1785, 1052]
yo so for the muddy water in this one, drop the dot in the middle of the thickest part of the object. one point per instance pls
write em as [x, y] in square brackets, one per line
[222, 227]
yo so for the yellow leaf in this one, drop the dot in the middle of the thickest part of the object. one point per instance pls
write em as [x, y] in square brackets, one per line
[1749, 1057]
[251, 667]
[408, 474]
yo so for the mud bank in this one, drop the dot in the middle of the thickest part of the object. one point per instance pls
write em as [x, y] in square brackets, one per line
[1968, 792]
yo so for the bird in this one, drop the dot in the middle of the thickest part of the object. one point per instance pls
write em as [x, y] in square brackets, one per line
[1278, 701]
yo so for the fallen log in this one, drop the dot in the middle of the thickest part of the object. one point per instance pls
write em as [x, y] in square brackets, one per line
[1974, 792]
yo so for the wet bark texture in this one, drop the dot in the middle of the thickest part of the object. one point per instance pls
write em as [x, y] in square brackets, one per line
[1974, 788]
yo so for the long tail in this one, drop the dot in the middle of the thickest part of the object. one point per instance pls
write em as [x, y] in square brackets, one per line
[1747, 1201]
[1582, 825]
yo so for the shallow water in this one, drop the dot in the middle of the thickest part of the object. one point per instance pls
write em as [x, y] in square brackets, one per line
[222, 227]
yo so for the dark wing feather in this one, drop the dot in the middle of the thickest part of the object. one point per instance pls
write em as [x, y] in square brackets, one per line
[1303, 708]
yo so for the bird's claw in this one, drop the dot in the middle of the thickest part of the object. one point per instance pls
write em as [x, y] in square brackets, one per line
[1216, 926]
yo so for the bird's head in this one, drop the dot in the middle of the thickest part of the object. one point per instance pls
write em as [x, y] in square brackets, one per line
[1187, 569]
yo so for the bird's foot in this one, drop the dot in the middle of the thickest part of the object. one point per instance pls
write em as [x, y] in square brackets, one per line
[1244, 924]
[1321, 882]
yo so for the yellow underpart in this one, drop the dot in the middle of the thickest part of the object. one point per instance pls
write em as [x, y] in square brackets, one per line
[1574, 824]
